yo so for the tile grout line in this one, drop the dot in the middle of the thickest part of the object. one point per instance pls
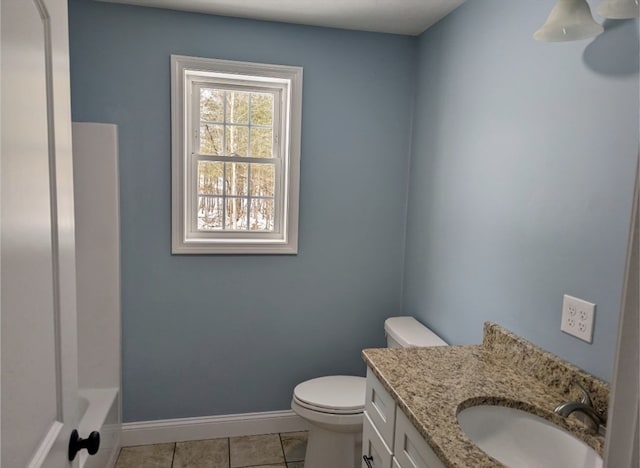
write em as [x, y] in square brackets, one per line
[173, 455]
[284, 455]
[118, 457]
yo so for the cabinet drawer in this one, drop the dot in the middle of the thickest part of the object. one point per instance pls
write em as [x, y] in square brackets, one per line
[410, 449]
[373, 446]
[380, 407]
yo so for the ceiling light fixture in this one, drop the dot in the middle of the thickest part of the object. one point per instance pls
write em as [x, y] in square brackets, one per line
[569, 20]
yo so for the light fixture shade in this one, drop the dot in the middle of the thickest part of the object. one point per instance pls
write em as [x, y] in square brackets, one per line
[569, 20]
[619, 9]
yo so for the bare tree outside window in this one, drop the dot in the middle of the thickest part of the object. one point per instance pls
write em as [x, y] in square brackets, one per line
[236, 196]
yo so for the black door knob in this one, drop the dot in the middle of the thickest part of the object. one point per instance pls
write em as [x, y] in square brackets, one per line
[91, 443]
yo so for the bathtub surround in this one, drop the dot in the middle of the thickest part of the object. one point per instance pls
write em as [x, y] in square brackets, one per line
[521, 177]
[95, 170]
[97, 235]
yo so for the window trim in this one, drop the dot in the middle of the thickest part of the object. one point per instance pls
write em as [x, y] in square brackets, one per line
[289, 79]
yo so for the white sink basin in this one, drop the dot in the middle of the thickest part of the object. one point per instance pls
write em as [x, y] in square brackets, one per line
[520, 439]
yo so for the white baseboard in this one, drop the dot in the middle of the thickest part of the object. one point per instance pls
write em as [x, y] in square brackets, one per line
[210, 427]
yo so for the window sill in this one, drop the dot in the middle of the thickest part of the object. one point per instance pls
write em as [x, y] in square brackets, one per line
[234, 248]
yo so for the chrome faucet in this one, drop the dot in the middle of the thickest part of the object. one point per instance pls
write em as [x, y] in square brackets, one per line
[584, 406]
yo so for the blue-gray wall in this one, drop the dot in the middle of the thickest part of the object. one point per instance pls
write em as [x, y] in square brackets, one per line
[207, 335]
[520, 189]
[521, 177]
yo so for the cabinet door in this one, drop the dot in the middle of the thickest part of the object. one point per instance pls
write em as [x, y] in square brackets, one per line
[410, 449]
[380, 407]
[374, 447]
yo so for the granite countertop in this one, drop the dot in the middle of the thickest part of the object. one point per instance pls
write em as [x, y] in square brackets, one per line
[432, 385]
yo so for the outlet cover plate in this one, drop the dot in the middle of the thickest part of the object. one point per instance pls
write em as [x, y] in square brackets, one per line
[578, 317]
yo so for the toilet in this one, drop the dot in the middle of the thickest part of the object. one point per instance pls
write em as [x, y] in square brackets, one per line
[334, 405]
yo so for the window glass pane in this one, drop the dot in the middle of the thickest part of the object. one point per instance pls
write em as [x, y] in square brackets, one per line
[211, 139]
[236, 178]
[237, 140]
[236, 214]
[237, 107]
[210, 213]
[211, 104]
[210, 178]
[261, 218]
[261, 143]
[261, 109]
[263, 180]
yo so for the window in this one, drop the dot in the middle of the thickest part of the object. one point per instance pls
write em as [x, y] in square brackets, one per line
[236, 156]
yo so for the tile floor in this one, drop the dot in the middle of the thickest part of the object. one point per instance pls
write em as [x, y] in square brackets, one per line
[284, 450]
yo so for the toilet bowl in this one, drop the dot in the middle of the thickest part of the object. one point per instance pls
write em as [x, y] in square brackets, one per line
[334, 405]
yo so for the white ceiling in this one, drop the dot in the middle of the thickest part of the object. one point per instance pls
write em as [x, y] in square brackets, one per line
[410, 17]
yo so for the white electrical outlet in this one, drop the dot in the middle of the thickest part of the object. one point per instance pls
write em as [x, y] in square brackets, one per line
[578, 317]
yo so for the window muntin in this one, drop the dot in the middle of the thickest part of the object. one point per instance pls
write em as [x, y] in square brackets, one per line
[236, 156]
[233, 129]
[246, 190]
[234, 122]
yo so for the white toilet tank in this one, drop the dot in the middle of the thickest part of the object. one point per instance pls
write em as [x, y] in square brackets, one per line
[407, 332]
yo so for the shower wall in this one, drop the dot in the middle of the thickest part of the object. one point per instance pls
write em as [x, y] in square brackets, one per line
[95, 166]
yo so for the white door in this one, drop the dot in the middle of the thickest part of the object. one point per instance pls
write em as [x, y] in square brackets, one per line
[37, 252]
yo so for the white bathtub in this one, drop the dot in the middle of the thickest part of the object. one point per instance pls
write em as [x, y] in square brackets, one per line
[100, 411]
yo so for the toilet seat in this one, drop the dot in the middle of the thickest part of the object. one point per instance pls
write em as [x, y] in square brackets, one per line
[320, 409]
[336, 394]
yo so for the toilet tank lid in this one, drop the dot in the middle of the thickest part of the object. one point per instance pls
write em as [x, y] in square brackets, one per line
[408, 332]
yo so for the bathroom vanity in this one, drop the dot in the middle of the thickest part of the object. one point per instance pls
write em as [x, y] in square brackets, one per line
[389, 439]
[414, 397]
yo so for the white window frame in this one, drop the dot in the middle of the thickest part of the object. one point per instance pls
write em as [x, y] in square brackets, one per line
[285, 82]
